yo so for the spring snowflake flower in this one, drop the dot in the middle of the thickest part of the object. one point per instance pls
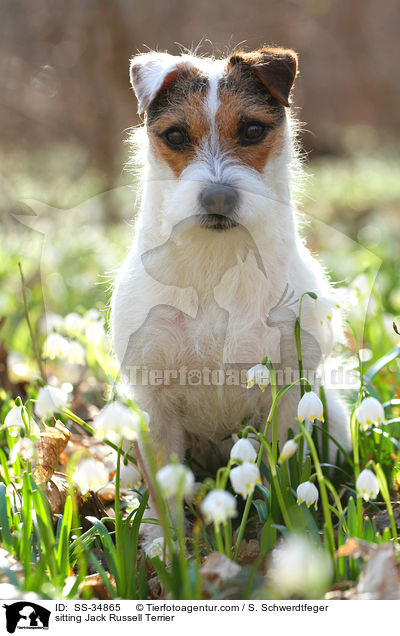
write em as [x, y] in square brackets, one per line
[75, 353]
[369, 413]
[129, 476]
[14, 421]
[288, 450]
[259, 374]
[307, 493]
[156, 549]
[175, 478]
[73, 324]
[218, 506]
[324, 309]
[117, 422]
[50, 399]
[244, 451]
[90, 474]
[244, 478]
[367, 485]
[55, 346]
[310, 408]
[298, 568]
[24, 448]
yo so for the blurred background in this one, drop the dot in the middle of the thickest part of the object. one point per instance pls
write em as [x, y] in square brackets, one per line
[66, 105]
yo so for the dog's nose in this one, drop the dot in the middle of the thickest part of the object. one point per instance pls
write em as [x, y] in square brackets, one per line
[219, 199]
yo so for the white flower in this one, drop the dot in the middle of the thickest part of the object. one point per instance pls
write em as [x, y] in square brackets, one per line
[24, 448]
[14, 421]
[288, 450]
[244, 478]
[193, 497]
[94, 327]
[75, 353]
[244, 451]
[310, 408]
[369, 413]
[218, 506]
[156, 549]
[307, 493]
[259, 374]
[129, 476]
[90, 475]
[55, 346]
[298, 568]
[49, 400]
[174, 479]
[73, 323]
[324, 308]
[367, 485]
[116, 422]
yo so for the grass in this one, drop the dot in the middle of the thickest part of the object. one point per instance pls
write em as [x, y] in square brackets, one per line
[352, 205]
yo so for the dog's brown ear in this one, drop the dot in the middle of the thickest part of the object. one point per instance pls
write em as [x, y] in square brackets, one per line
[275, 67]
[150, 72]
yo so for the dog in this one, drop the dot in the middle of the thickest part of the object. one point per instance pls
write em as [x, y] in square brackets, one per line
[217, 270]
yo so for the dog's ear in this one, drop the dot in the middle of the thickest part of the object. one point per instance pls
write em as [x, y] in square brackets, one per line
[150, 72]
[275, 67]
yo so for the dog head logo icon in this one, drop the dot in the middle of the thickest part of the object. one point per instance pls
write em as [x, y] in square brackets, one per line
[26, 615]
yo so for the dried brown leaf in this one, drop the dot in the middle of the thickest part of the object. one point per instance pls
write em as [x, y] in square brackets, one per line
[356, 548]
[381, 577]
[249, 552]
[57, 492]
[50, 445]
[94, 585]
[217, 568]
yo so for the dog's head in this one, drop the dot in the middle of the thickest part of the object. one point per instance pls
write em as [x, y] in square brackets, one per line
[220, 142]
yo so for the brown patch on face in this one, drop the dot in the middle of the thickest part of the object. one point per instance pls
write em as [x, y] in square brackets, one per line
[180, 104]
[244, 100]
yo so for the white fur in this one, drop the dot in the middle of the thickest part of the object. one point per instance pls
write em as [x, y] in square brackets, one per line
[218, 273]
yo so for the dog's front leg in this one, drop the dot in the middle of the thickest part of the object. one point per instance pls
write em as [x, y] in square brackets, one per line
[166, 441]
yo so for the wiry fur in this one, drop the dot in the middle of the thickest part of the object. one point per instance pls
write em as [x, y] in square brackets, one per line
[191, 297]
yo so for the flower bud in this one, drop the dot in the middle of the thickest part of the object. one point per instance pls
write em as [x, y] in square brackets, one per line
[288, 450]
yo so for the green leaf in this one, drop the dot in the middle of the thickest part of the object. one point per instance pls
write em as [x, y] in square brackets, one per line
[4, 520]
[63, 540]
[268, 537]
[381, 363]
[352, 517]
[306, 472]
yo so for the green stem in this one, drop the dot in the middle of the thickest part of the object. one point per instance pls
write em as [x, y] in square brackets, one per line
[322, 487]
[218, 537]
[118, 524]
[356, 456]
[262, 438]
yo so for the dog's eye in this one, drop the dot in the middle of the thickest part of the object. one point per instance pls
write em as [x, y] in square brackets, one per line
[252, 132]
[175, 137]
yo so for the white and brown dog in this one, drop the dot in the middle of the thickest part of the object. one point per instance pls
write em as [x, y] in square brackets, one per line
[208, 288]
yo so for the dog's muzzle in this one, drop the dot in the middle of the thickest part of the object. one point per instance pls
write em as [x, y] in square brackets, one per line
[218, 203]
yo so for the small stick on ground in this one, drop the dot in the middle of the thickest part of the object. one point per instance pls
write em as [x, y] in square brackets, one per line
[28, 320]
